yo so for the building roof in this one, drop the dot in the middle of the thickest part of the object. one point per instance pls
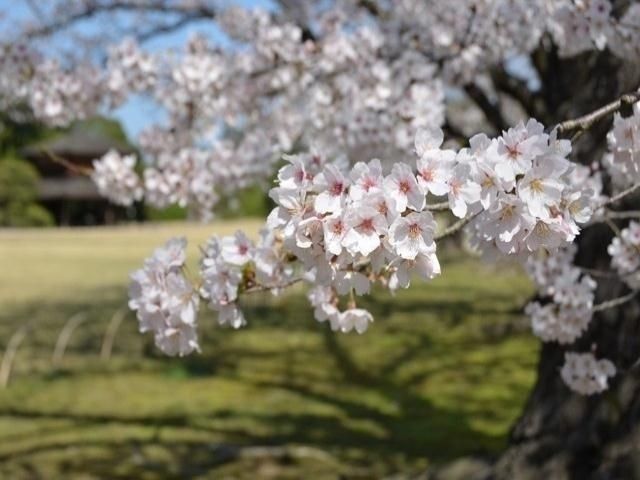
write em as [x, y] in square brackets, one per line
[81, 144]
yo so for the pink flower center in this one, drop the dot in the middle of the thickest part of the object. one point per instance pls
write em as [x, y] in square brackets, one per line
[404, 186]
[414, 230]
[337, 228]
[427, 174]
[336, 189]
[369, 183]
[513, 152]
[367, 225]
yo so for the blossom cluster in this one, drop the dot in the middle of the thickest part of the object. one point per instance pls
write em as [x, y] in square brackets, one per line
[353, 85]
[341, 228]
[116, 179]
[567, 293]
[165, 301]
[579, 26]
[233, 264]
[349, 228]
[622, 162]
[584, 374]
[526, 190]
[358, 84]
[625, 255]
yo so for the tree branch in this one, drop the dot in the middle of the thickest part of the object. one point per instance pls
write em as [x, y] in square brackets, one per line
[615, 302]
[517, 90]
[623, 215]
[616, 198]
[490, 110]
[72, 167]
[438, 207]
[95, 8]
[585, 122]
[167, 28]
[456, 227]
[267, 288]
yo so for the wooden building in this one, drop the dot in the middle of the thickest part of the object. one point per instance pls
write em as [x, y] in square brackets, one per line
[72, 198]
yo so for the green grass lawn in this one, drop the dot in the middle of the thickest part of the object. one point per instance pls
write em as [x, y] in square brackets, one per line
[442, 372]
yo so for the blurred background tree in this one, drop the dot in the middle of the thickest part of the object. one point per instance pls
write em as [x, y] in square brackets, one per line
[18, 179]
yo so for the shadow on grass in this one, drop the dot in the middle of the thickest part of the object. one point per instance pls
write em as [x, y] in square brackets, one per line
[363, 434]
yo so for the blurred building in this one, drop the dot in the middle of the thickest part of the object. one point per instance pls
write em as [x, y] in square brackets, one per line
[71, 197]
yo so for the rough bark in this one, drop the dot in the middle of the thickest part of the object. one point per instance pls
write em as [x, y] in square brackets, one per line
[561, 435]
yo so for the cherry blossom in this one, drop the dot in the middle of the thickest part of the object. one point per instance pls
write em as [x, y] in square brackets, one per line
[586, 375]
[402, 187]
[359, 96]
[625, 254]
[116, 179]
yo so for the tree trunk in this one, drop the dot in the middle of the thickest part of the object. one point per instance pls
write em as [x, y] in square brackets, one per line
[562, 435]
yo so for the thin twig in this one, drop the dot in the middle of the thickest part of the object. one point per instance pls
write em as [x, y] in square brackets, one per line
[615, 302]
[623, 215]
[491, 110]
[610, 223]
[586, 121]
[92, 8]
[80, 170]
[632, 189]
[266, 288]
[438, 207]
[456, 227]
[599, 273]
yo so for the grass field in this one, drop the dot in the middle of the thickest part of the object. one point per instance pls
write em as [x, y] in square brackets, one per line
[443, 372]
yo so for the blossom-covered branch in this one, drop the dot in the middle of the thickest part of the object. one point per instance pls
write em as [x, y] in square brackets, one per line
[359, 94]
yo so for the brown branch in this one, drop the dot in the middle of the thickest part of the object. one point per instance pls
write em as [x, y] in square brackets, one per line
[438, 207]
[370, 6]
[72, 167]
[490, 110]
[598, 273]
[167, 27]
[518, 90]
[266, 288]
[623, 215]
[615, 302]
[585, 122]
[616, 198]
[456, 227]
[95, 8]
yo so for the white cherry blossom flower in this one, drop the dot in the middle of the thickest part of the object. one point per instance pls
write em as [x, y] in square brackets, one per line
[335, 229]
[231, 315]
[425, 265]
[237, 249]
[539, 190]
[435, 168]
[345, 281]
[428, 139]
[116, 179]
[586, 375]
[355, 319]
[462, 190]
[366, 225]
[332, 186]
[366, 179]
[412, 234]
[401, 185]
